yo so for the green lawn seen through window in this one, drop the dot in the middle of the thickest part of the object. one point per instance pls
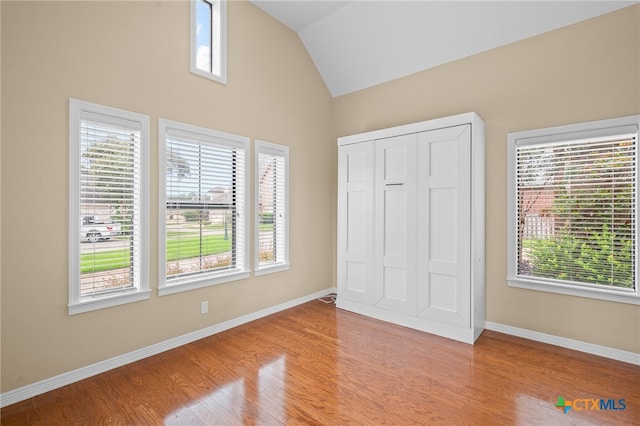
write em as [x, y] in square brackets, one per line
[177, 249]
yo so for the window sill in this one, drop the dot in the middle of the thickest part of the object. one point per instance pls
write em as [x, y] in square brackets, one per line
[271, 269]
[88, 304]
[222, 79]
[619, 296]
[201, 282]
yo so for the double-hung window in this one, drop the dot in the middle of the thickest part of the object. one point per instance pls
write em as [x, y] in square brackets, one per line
[209, 39]
[203, 207]
[573, 209]
[271, 189]
[108, 246]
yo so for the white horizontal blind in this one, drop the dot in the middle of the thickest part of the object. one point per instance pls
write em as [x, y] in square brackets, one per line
[110, 200]
[272, 206]
[204, 202]
[576, 211]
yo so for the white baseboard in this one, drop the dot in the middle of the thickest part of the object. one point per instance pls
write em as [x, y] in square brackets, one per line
[34, 389]
[590, 348]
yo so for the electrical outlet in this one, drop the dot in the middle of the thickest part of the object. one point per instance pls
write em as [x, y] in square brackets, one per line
[204, 307]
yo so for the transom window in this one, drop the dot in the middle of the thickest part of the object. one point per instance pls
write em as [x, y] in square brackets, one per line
[203, 229]
[209, 39]
[573, 194]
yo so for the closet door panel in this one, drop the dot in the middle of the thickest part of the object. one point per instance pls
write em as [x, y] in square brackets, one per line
[355, 222]
[443, 214]
[444, 224]
[396, 174]
[395, 224]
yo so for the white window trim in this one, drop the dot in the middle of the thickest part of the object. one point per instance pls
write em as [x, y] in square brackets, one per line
[222, 78]
[630, 124]
[243, 271]
[279, 150]
[141, 291]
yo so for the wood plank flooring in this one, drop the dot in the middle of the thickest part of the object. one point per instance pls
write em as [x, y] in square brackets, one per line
[318, 365]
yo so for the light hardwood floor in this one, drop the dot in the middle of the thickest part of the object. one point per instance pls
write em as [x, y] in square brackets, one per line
[318, 365]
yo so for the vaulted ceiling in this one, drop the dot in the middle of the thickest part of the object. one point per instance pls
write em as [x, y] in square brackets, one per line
[359, 44]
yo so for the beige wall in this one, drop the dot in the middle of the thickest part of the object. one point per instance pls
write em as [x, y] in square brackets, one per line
[135, 56]
[584, 72]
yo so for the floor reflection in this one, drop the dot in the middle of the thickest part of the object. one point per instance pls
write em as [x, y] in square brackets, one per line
[259, 396]
[221, 406]
[271, 379]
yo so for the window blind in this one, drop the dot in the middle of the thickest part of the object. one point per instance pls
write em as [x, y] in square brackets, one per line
[576, 211]
[110, 199]
[272, 211]
[204, 201]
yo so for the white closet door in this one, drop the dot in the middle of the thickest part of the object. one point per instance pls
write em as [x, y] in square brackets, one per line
[444, 226]
[396, 210]
[355, 222]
